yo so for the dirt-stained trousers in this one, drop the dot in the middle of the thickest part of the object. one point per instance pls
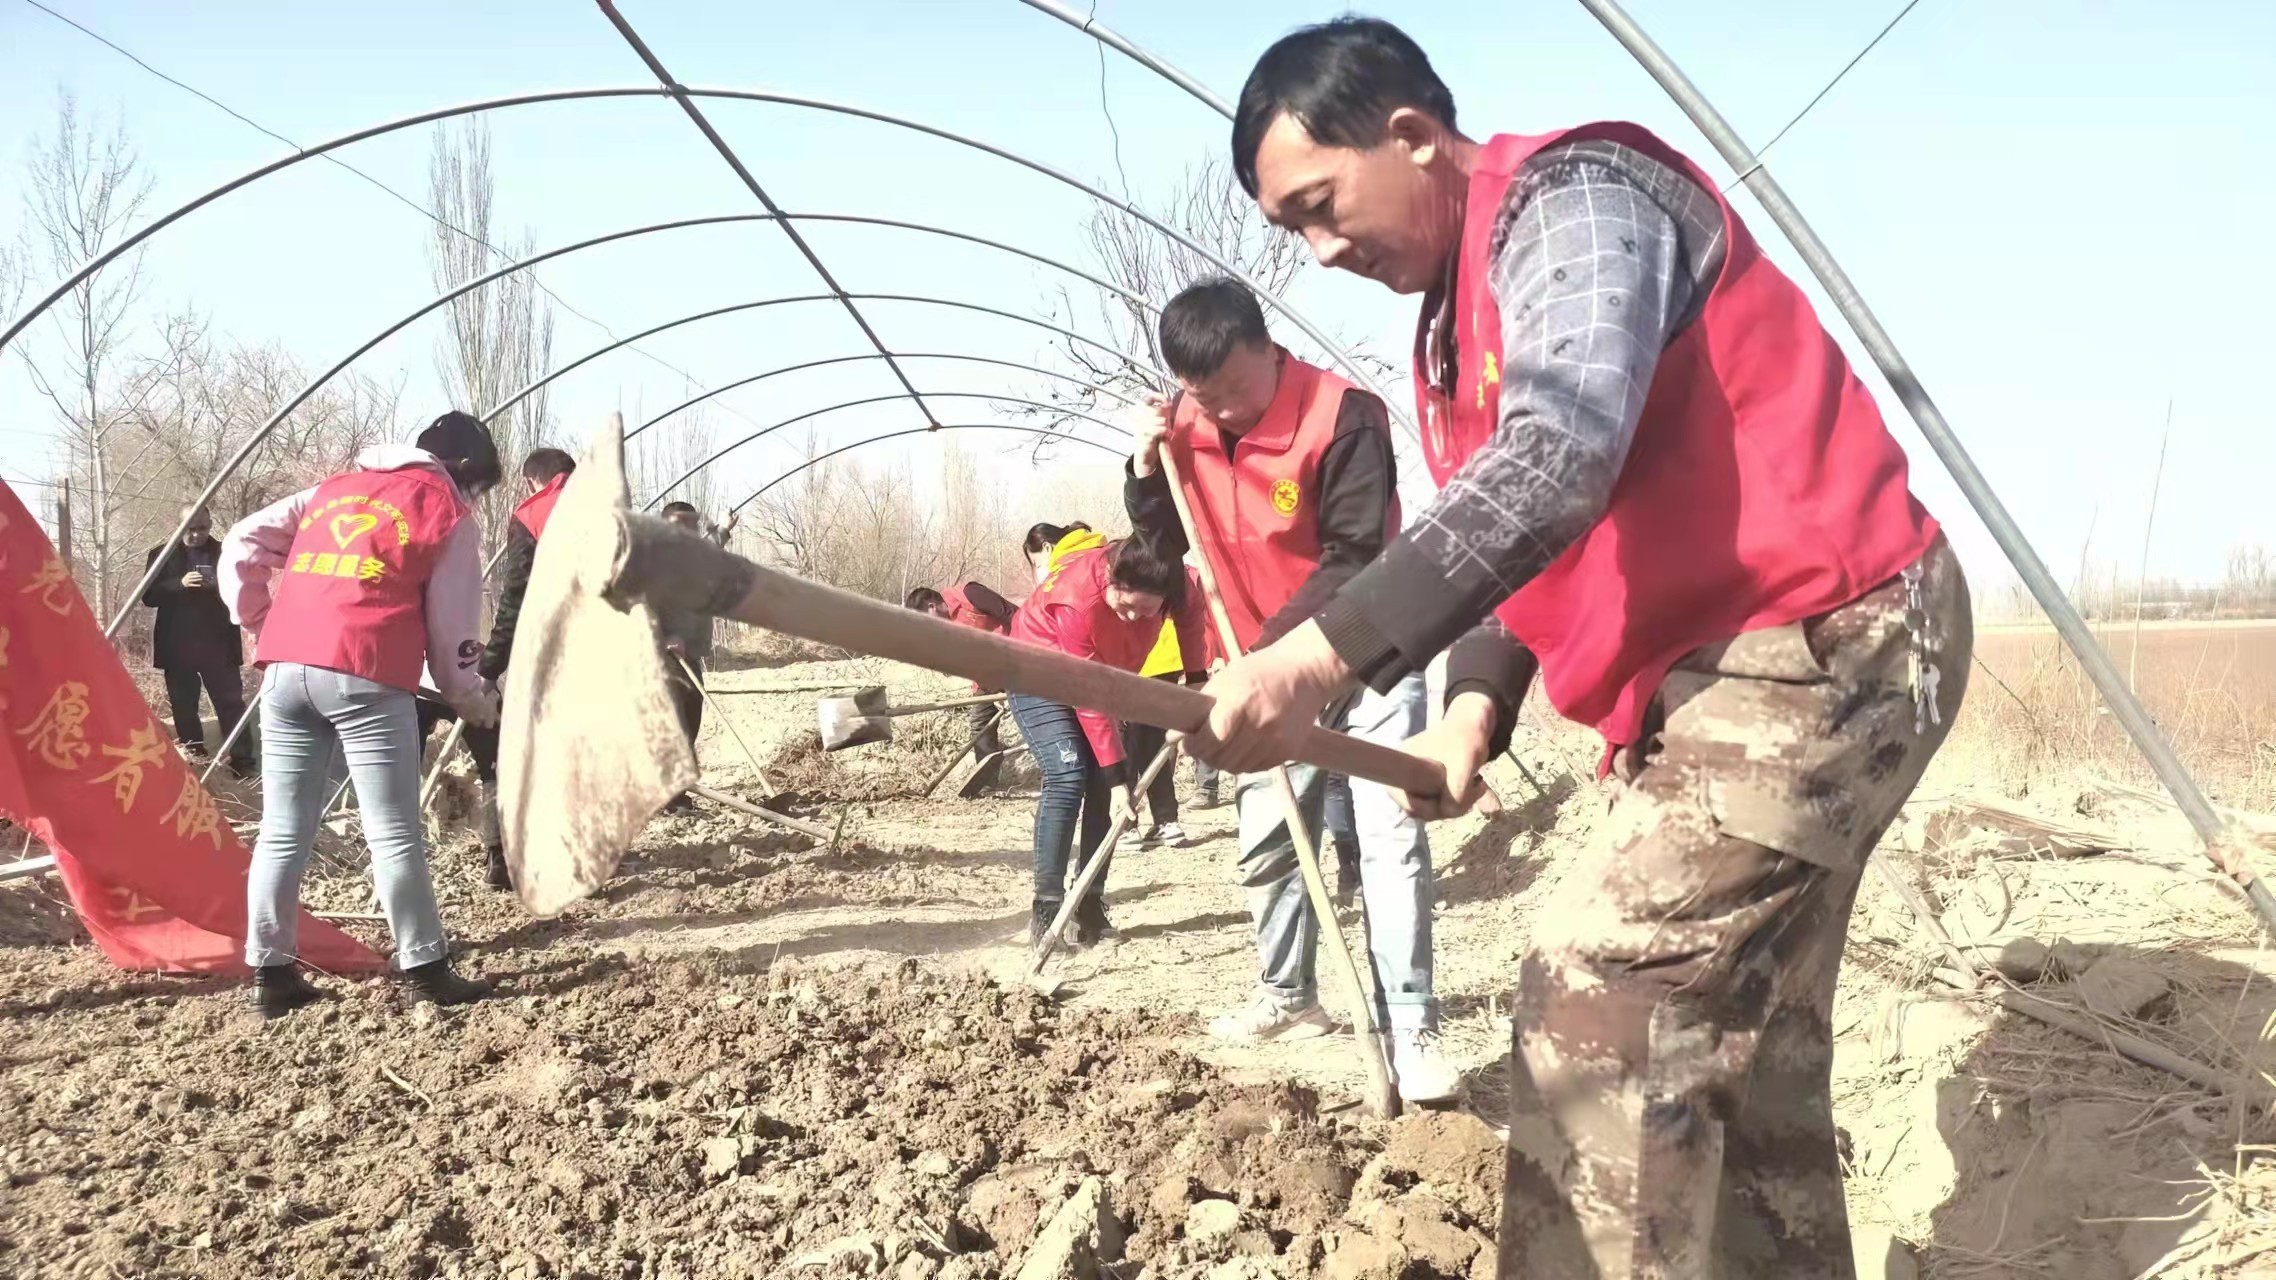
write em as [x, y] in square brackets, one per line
[1671, 1114]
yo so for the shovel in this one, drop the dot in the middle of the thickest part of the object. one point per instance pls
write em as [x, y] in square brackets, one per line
[865, 717]
[591, 749]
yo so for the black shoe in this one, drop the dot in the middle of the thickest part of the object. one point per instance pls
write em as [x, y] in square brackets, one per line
[1039, 923]
[680, 804]
[1090, 926]
[501, 877]
[278, 989]
[435, 982]
[1347, 873]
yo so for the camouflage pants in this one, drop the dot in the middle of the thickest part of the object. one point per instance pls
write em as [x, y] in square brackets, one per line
[1671, 1114]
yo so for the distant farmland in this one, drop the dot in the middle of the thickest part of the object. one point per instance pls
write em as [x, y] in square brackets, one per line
[2211, 686]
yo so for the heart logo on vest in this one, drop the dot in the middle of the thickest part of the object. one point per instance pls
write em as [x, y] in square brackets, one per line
[1286, 496]
[346, 529]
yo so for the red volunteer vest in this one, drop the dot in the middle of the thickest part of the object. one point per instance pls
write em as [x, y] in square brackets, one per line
[960, 611]
[1762, 486]
[351, 595]
[1256, 510]
[537, 508]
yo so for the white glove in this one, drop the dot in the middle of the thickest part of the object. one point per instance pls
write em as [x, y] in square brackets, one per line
[479, 708]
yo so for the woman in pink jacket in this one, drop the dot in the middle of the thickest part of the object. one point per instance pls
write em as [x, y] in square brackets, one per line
[1106, 604]
[352, 587]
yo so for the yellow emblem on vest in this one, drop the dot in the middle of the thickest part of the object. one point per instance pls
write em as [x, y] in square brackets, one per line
[347, 528]
[1490, 374]
[1286, 496]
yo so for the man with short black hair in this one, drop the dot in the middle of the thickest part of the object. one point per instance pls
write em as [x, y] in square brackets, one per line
[1288, 473]
[544, 473]
[1663, 488]
[194, 642]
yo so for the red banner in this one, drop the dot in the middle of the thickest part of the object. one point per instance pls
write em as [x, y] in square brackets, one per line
[156, 873]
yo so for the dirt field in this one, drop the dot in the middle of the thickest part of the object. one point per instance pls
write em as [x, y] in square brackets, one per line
[749, 1056]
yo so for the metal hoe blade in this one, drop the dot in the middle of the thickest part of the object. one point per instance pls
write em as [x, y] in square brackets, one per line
[591, 748]
[854, 721]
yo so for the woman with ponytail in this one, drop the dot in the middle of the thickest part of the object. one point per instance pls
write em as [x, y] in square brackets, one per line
[351, 587]
[1107, 604]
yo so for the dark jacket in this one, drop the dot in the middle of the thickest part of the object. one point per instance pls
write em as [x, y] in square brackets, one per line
[691, 627]
[194, 632]
[513, 584]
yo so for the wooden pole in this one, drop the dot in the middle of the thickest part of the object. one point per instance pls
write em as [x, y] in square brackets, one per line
[766, 788]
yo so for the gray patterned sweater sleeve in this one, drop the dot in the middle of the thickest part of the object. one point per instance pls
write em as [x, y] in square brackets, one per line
[1590, 278]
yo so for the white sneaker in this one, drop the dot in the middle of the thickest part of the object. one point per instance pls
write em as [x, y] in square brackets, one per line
[1169, 835]
[1269, 1023]
[1423, 1072]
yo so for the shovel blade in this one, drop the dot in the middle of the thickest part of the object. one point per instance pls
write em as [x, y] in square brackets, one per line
[854, 721]
[590, 747]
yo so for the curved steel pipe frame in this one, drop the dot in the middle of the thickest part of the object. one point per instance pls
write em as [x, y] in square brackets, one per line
[1135, 364]
[695, 115]
[2115, 691]
[16, 327]
[1107, 36]
[763, 432]
[871, 355]
[299, 398]
[820, 458]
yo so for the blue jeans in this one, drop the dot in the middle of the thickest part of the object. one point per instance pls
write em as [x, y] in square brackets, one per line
[1205, 776]
[1343, 828]
[1395, 882]
[309, 717]
[1073, 784]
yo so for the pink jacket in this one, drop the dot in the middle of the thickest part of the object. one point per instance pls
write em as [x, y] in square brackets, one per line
[254, 550]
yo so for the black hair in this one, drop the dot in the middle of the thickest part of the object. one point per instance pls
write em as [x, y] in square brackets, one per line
[1139, 563]
[1341, 80]
[1205, 322]
[545, 464]
[463, 445]
[924, 600]
[1043, 537]
[675, 507]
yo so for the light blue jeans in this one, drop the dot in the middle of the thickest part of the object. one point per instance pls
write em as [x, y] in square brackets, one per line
[1395, 882]
[310, 716]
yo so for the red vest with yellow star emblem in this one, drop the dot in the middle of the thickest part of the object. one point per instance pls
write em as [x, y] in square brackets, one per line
[352, 593]
[1761, 487]
[1256, 509]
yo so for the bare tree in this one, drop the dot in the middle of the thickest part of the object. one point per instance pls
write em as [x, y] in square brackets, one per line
[84, 192]
[190, 405]
[500, 336]
[13, 273]
[1206, 206]
[664, 452]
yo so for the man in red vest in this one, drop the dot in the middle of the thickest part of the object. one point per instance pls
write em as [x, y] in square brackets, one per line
[976, 605]
[1663, 488]
[1288, 472]
[544, 474]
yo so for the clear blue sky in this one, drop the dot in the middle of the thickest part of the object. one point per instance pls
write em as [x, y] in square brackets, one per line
[2056, 208]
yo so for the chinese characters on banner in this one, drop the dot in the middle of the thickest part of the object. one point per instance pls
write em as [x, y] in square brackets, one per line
[157, 875]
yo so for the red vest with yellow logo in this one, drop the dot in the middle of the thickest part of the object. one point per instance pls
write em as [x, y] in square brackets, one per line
[1256, 510]
[1762, 485]
[352, 593]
